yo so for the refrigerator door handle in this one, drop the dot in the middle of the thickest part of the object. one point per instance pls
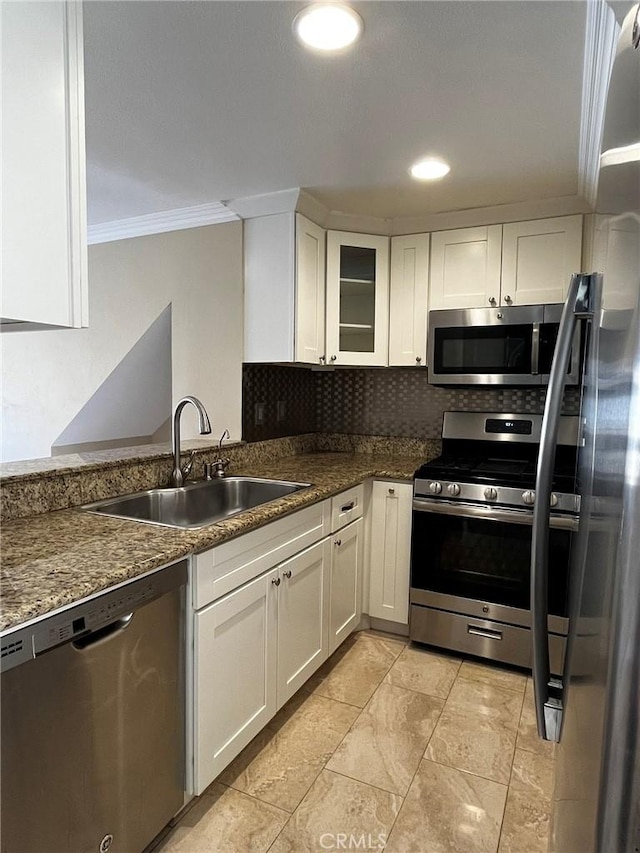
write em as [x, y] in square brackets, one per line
[577, 306]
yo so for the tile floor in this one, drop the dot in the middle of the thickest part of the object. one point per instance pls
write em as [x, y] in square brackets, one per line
[388, 744]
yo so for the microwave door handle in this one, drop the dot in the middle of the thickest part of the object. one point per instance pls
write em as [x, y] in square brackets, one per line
[535, 349]
[578, 305]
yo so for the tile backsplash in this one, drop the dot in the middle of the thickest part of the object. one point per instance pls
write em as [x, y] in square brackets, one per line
[368, 401]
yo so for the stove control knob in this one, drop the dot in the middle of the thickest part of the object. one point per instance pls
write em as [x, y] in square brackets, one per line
[529, 497]
[435, 488]
[453, 489]
[553, 499]
[490, 493]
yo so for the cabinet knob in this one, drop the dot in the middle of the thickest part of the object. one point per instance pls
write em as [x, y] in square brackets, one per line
[500, 315]
[418, 359]
[392, 491]
[287, 574]
[508, 300]
[333, 358]
[322, 359]
[492, 300]
[275, 581]
[338, 542]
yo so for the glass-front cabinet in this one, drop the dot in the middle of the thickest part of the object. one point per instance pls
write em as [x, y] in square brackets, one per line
[357, 299]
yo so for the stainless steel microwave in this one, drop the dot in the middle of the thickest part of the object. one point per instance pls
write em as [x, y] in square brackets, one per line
[497, 346]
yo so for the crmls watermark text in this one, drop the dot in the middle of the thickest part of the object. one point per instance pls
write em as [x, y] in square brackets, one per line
[346, 841]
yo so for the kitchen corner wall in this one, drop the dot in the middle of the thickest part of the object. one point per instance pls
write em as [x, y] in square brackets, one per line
[383, 401]
[48, 377]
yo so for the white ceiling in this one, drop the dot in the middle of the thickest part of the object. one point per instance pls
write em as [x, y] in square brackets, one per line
[196, 102]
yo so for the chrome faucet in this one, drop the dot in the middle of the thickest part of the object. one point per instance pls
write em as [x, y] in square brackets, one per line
[179, 475]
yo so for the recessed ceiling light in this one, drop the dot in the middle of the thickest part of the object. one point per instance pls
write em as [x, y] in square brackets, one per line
[328, 26]
[429, 169]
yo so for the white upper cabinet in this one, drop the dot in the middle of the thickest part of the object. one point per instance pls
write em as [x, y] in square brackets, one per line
[520, 263]
[44, 267]
[616, 254]
[539, 258]
[284, 289]
[310, 313]
[408, 300]
[465, 267]
[357, 299]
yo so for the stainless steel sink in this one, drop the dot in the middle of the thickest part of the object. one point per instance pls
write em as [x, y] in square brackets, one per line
[197, 504]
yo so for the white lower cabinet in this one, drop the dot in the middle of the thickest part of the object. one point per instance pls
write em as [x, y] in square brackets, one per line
[346, 583]
[256, 645]
[303, 617]
[390, 550]
[235, 662]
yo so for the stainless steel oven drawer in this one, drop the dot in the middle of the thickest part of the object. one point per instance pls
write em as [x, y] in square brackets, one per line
[481, 637]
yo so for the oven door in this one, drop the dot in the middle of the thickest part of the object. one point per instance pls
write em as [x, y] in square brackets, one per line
[483, 553]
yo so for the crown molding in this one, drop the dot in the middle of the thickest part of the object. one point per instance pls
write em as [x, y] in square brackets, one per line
[497, 214]
[267, 204]
[178, 219]
[600, 45]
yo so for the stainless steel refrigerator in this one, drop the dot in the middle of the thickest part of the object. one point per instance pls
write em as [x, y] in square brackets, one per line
[594, 711]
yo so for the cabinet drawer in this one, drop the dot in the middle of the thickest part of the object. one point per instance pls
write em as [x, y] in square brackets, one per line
[222, 569]
[346, 507]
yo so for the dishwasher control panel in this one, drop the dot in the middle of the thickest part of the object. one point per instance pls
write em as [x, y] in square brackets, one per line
[80, 620]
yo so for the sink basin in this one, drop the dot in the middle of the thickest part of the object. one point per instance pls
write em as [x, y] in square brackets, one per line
[197, 504]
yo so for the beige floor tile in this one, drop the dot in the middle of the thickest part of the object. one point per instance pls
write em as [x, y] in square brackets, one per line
[426, 672]
[352, 675]
[532, 773]
[339, 813]
[447, 811]
[525, 828]
[386, 743]
[227, 821]
[528, 738]
[495, 675]
[467, 741]
[487, 699]
[280, 766]
[476, 731]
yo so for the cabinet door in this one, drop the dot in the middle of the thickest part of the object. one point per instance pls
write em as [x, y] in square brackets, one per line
[235, 646]
[346, 583]
[310, 288]
[539, 258]
[303, 617]
[465, 268]
[43, 175]
[390, 551]
[408, 300]
[357, 299]
[616, 254]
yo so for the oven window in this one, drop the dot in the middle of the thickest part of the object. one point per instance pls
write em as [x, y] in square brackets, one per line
[484, 560]
[483, 349]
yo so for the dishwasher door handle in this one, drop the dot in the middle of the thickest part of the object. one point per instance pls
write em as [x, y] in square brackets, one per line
[113, 629]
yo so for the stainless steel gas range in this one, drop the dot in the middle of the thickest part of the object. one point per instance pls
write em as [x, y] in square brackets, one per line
[471, 537]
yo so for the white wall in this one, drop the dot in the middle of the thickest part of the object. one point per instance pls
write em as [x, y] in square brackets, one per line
[48, 376]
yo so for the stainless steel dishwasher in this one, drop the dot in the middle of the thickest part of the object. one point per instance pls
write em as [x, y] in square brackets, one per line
[92, 702]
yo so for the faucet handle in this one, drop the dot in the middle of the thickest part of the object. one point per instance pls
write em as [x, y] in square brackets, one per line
[186, 468]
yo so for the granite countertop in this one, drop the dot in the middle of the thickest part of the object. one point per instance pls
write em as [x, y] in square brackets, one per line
[54, 559]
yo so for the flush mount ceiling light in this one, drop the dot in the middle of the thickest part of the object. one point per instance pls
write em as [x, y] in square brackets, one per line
[429, 169]
[328, 26]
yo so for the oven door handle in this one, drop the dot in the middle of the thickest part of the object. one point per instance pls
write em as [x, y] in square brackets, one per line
[491, 513]
[577, 306]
